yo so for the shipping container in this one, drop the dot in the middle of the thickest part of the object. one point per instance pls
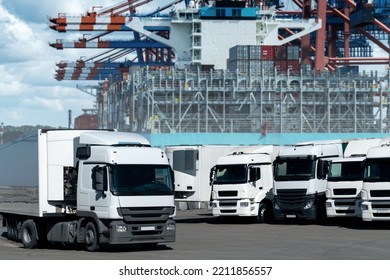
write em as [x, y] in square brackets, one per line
[293, 65]
[239, 65]
[281, 65]
[280, 52]
[254, 66]
[293, 53]
[254, 52]
[268, 52]
[238, 52]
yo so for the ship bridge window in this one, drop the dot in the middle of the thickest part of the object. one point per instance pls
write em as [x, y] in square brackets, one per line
[221, 13]
[236, 13]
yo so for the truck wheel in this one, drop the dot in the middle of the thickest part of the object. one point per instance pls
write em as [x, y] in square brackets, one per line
[28, 234]
[91, 238]
[265, 213]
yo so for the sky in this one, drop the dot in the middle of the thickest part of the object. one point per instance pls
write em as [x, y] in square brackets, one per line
[29, 93]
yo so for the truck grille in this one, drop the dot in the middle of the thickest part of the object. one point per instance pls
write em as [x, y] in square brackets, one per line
[344, 203]
[145, 214]
[228, 203]
[227, 193]
[380, 193]
[345, 191]
[380, 206]
[291, 199]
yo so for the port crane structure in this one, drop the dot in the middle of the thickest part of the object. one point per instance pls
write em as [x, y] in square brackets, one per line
[343, 29]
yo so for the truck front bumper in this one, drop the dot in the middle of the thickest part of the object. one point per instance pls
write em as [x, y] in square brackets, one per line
[123, 233]
[375, 211]
[307, 214]
[243, 207]
[343, 208]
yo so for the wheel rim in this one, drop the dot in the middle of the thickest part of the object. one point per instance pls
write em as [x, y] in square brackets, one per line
[90, 238]
[27, 235]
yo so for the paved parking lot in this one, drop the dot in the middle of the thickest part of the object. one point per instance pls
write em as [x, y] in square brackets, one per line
[201, 236]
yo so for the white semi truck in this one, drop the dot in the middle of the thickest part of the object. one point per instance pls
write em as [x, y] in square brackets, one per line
[86, 186]
[345, 179]
[300, 179]
[376, 183]
[242, 182]
[191, 165]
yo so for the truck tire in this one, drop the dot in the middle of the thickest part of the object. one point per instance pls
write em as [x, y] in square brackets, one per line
[28, 234]
[265, 213]
[91, 239]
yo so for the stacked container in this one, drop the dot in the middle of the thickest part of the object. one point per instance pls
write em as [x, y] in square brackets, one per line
[245, 59]
[255, 59]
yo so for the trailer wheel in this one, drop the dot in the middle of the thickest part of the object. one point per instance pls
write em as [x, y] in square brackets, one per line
[29, 234]
[265, 213]
[91, 238]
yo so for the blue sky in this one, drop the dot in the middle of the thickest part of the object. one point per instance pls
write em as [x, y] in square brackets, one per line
[29, 94]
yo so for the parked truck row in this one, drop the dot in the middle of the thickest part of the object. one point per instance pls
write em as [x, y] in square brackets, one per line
[102, 187]
[309, 180]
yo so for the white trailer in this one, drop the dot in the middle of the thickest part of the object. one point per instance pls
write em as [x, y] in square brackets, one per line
[376, 183]
[191, 165]
[300, 179]
[81, 186]
[345, 179]
[242, 183]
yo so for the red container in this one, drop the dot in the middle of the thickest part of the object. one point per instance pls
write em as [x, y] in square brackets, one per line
[281, 65]
[268, 52]
[293, 65]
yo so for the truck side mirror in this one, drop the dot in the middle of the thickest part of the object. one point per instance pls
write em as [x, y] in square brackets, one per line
[99, 178]
[254, 174]
[212, 173]
[322, 169]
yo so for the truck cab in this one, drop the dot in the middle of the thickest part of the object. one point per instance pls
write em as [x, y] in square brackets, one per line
[242, 183]
[345, 179]
[300, 174]
[87, 186]
[376, 183]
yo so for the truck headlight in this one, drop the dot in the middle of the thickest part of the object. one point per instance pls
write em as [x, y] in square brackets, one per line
[309, 204]
[214, 205]
[364, 194]
[328, 204]
[171, 227]
[364, 206]
[121, 228]
[244, 204]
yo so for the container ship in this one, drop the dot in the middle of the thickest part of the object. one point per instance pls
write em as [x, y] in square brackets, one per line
[234, 72]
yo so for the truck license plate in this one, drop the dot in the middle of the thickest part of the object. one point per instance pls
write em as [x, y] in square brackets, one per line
[148, 228]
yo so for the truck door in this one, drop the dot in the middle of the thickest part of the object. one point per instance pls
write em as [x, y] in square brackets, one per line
[255, 180]
[100, 196]
[93, 191]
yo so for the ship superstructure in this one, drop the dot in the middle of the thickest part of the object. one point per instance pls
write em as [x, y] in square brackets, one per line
[235, 66]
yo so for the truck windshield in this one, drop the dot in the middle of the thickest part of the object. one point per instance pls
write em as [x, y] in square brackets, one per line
[230, 174]
[377, 170]
[345, 171]
[141, 180]
[294, 169]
